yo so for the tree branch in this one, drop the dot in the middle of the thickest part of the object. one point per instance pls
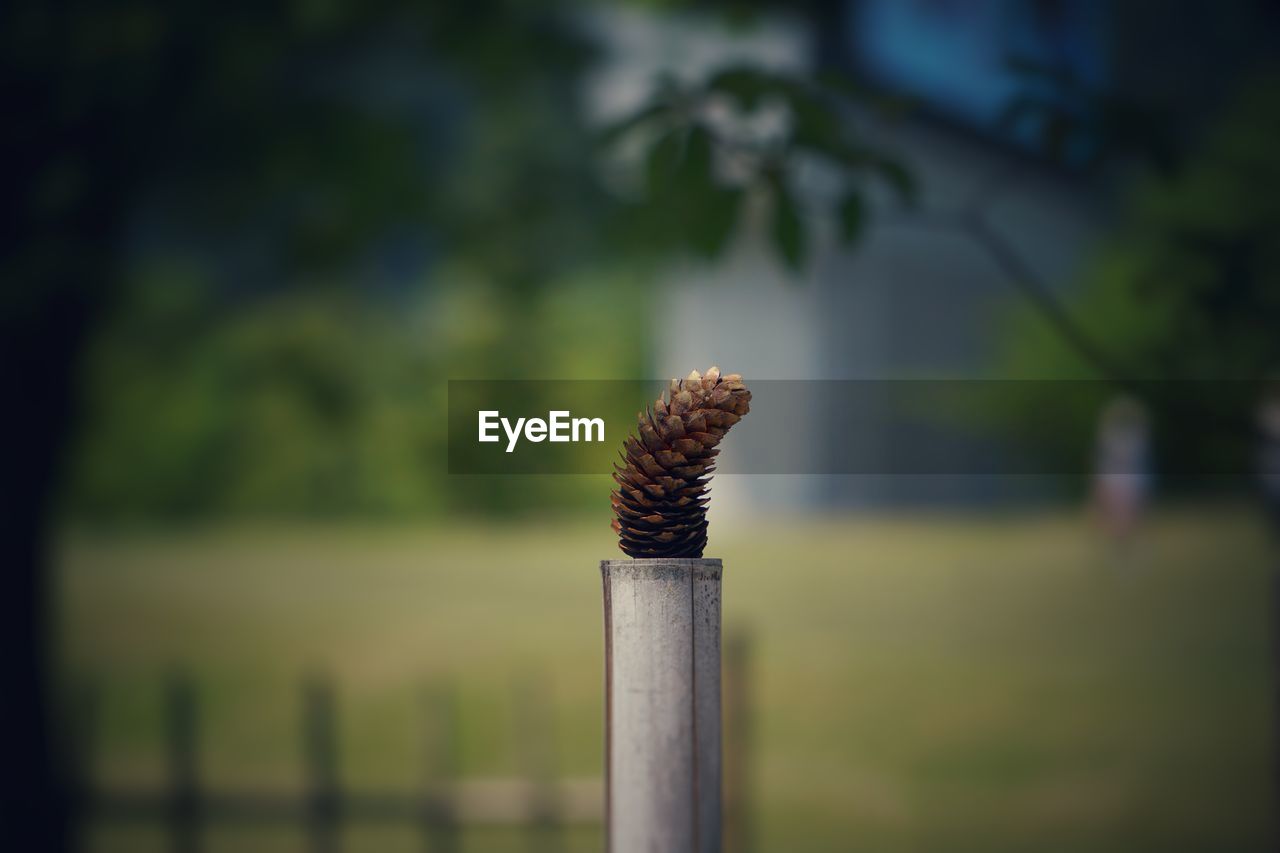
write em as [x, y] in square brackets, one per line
[971, 225]
[1026, 281]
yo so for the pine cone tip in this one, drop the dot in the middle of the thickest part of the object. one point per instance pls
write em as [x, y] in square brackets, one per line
[660, 504]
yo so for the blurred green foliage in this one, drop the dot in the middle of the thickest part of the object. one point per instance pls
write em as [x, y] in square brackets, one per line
[308, 403]
[314, 213]
[748, 134]
[1188, 288]
[323, 402]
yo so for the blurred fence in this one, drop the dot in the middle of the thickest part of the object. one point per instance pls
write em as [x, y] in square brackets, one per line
[538, 801]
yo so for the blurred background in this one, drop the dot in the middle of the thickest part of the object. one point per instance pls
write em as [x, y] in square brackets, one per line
[247, 246]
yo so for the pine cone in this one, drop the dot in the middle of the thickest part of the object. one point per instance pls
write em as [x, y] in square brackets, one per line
[661, 501]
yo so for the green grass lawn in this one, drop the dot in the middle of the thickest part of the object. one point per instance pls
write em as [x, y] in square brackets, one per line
[940, 683]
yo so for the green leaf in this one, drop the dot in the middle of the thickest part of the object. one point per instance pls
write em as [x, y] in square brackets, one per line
[899, 177]
[695, 159]
[788, 229]
[853, 156]
[712, 222]
[620, 128]
[816, 125]
[745, 85]
[852, 217]
[662, 162]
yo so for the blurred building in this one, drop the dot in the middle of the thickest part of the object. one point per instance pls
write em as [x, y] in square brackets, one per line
[911, 300]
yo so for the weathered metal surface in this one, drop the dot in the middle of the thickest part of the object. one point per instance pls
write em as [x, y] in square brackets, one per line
[662, 672]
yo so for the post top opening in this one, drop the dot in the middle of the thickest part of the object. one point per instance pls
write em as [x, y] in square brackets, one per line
[662, 568]
[680, 562]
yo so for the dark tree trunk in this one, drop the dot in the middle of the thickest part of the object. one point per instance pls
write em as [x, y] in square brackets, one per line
[67, 158]
[46, 321]
[44, 346]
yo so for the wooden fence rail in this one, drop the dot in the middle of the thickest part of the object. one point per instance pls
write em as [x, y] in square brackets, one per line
[538, 801]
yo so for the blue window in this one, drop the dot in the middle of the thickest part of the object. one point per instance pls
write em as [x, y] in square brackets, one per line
[954, 54]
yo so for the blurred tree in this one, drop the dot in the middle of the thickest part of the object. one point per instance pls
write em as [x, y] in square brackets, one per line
[311, 403]
[325, 401]
[1187, 291]
[271, 145]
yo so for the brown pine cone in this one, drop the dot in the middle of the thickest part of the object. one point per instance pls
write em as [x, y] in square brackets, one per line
[661, 501]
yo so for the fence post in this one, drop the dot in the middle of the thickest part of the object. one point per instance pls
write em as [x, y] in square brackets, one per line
[439, 823]
[737, 742]
[662, 697]
[184, 787]
[80, 758]
[536, 741]
[320, 749]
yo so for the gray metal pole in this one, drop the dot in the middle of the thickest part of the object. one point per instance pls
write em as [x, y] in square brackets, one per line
[662, 693]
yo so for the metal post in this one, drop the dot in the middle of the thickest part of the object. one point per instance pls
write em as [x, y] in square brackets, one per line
[662, 693]
[535, 737]
[319, 742]
[184, 796]
[737, 742]
[439, 821]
